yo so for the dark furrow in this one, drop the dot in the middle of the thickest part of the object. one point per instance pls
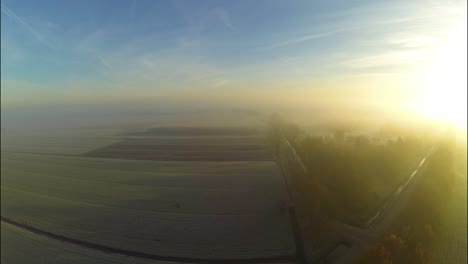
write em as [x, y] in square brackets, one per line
[130, 253]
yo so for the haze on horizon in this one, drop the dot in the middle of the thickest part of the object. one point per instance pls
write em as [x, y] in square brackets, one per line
[220, 131]
[400, 58]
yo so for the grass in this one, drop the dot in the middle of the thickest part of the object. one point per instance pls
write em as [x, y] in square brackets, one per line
[171, 234]
[190, 209]
[161, 189]
[160, 173]
[19, 246]
[188, 148]
[53, 145]
[452, 242]
[198, 131]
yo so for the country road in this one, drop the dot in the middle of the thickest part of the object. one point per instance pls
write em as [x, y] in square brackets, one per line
[360, 237]
[385, 216]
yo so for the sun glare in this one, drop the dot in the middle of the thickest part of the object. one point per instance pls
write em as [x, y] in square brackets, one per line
[443, 92]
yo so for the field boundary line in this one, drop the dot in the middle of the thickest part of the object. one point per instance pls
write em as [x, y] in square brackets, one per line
[291, 206]
[142, 255]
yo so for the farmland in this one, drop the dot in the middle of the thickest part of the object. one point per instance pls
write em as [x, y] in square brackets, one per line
[49, 145]
[215, 148]
[40, 250]
[193, 195]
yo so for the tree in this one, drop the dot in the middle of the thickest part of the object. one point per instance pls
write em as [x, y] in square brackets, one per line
[291, 132]
[275, 125]
[339, 135]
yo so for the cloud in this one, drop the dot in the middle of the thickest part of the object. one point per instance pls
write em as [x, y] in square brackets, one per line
[104, 62]
[407, 40]
[51, 25]
[224, 17]
[387, 58]
[8, 12]
[297, 40]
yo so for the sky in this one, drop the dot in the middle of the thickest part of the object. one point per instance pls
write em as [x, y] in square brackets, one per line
[302, 52]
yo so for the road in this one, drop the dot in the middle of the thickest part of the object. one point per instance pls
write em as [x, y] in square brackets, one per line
[378, 223]
[385, 216]
[297, 233]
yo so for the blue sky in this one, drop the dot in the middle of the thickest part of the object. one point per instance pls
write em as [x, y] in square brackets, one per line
[94, 50]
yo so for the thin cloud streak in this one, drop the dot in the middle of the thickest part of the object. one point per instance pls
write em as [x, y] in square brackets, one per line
[225, 18]
[104, 62]
[298, 40]
[8, 12]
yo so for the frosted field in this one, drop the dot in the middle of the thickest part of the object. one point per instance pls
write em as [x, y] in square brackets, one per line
[184, 208]
[19, 246]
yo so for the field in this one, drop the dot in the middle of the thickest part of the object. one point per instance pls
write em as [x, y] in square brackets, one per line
[185, 143]
[53, 145]
[184, 195]
[19, 246]
[451, 247]
[452, 242]
[215, 148]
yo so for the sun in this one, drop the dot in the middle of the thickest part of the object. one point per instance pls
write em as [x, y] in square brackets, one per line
[443, 81]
